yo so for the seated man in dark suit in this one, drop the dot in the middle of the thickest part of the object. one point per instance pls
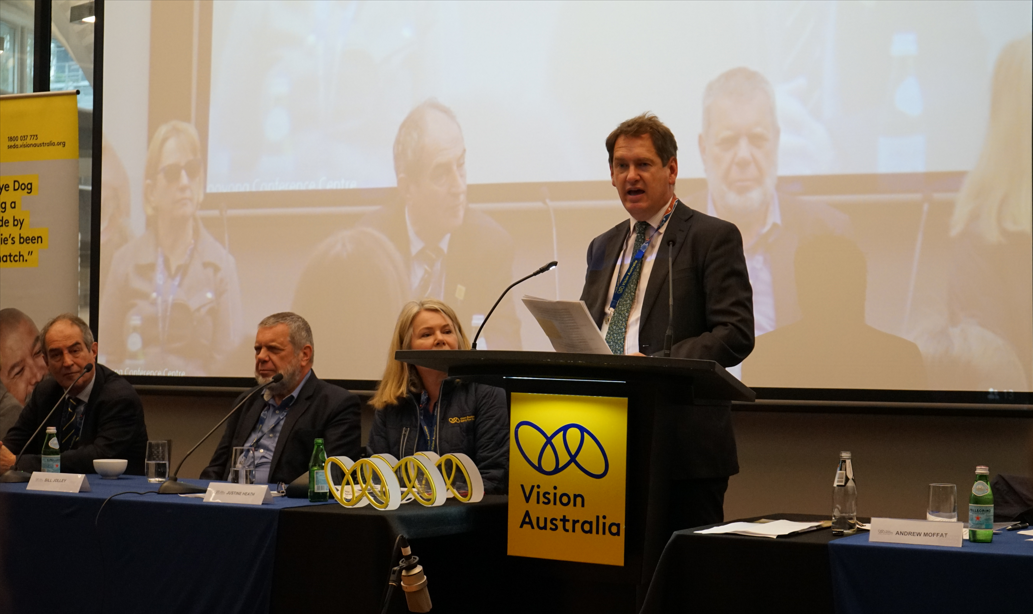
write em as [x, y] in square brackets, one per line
[283, 423]
[102, 418]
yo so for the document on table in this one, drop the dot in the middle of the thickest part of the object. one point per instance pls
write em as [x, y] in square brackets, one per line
[775, 528]
[568, 325]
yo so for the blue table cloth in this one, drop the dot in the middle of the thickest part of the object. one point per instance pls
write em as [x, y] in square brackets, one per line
[142, 553]
[887, 578]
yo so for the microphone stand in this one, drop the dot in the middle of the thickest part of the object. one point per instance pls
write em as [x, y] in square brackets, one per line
[173, 486]
[12, 475]
[543, 269]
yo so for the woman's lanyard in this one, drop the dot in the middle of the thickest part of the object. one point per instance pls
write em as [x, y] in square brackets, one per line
[636, 263]
[165, 300]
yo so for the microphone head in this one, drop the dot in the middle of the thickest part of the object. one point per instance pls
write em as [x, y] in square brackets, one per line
[551, 265]
[276, 378]
[88, 368]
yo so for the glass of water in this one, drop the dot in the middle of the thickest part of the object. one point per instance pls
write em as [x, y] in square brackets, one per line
[943, 503]
[157, 461]
[242, 465]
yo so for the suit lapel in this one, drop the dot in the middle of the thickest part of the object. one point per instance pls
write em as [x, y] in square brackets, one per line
[611, 256]
[247, 423]
[294, 413]
[677, 228]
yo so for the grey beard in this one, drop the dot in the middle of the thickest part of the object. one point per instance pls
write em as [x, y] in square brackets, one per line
[286, 385]
[742, 205]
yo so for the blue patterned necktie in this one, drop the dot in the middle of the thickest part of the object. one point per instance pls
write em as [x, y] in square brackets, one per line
[619, 322]
[69, 432]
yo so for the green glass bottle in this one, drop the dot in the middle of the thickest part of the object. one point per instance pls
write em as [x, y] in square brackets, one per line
[318, 491]
[51, 451]
[981, 508]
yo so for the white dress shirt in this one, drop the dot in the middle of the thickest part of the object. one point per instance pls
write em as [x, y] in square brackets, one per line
[437, 283]
[635, 316]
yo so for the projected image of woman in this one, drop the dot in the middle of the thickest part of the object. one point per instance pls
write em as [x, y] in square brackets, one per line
[171, 303]
[419, 410]
[992, 242]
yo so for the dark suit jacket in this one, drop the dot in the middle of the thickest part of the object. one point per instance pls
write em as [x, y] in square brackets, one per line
[113, 425]
[713, 320]
[801, 220]
[321, 410]
[479, 260]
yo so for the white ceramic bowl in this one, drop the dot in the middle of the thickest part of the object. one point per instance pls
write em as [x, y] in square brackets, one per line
[110, 467]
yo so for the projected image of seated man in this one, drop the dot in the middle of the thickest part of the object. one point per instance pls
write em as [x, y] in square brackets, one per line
[452, 252]
[22, 365]
[419, 410]
[739, 146]
[102, 417]
[171, 303]
[282, 424]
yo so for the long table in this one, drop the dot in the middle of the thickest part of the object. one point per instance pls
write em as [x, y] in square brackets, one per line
[164, 553]
[890, 578]
[817, 572]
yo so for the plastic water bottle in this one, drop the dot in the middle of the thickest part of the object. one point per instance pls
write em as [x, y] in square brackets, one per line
[844, 498]
[981, 508]
[51, 451]
[318, 491]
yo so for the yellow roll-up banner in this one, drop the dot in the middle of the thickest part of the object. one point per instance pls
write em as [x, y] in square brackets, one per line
[39, 203]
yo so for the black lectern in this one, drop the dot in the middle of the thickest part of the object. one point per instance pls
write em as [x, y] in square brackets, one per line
[655, 389]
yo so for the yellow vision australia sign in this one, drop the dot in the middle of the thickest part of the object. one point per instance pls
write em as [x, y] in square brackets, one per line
[567, 470]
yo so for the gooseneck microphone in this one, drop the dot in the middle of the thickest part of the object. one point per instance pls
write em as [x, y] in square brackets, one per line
[14, 476]
[548, 267]
[669, 338]
[173, 486]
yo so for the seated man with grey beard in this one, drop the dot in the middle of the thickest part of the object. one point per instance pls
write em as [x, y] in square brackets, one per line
[739, 147]
[283, 422]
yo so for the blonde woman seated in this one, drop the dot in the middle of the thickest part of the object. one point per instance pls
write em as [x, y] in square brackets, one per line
[419, 410]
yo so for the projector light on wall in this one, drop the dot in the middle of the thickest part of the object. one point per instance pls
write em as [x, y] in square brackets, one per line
[82, 13]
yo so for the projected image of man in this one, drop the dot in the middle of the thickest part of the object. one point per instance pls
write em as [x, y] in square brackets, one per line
[21, 364]
[101, 418]
[282, 423]
[451, 252]
[739, 145]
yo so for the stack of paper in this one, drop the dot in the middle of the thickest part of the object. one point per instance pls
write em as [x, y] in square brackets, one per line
[775, 528]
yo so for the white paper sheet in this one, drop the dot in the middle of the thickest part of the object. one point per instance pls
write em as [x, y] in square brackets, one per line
[774, 528]
[568, 325]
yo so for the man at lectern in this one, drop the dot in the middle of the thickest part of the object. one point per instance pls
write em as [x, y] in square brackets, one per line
[626, 291]
[282, 424]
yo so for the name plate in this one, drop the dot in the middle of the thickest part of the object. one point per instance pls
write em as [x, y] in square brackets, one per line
[58, 482]
[253, 494]
[916, 532]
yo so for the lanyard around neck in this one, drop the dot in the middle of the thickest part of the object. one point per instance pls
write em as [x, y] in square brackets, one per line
[636, 260]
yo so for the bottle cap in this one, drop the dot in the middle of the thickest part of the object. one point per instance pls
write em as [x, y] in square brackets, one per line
[844, 454]
[982, 470]
[52, 429]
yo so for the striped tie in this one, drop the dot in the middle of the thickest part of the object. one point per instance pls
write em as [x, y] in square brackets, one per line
[619, 323]
[69, 432]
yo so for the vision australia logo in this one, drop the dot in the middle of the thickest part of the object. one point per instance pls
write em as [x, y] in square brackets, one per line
[581, 449]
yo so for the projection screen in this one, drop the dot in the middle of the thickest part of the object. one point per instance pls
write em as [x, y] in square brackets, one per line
[887, 227]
